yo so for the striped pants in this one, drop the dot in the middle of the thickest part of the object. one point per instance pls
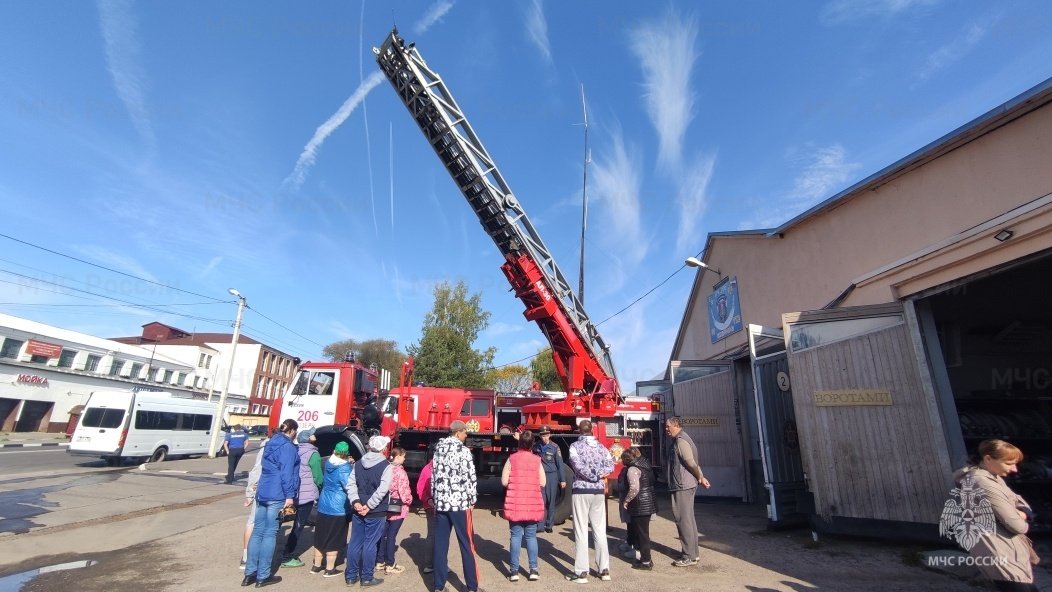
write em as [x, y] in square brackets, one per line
[459, 521]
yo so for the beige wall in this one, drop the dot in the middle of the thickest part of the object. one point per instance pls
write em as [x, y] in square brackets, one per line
[933, 205]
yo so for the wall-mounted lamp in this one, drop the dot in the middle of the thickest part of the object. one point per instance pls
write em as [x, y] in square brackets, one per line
[1004, 235]
[695, 262]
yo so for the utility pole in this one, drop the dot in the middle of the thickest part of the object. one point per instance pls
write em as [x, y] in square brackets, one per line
[212, 447]
[584, 198]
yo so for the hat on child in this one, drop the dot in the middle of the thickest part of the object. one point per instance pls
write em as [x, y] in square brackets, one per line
[378, 443]
[341, 448]
[304, 436]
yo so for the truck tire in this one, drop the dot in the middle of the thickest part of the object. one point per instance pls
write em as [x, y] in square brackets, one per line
[564, 501]
[159, 455]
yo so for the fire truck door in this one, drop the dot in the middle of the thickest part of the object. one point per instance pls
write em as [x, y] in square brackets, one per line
[313, 399]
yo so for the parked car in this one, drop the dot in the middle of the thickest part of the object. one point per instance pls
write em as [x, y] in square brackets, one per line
[257, 430]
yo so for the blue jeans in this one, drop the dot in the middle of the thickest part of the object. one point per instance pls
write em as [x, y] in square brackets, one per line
[517, 530]
[302, 517]
[361, 549]
[264, 536]
[389, 541]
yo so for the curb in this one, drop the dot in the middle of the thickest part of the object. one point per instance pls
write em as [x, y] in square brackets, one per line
[34, 445]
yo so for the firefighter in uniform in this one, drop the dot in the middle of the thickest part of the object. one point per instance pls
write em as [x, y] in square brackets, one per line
[552, 461]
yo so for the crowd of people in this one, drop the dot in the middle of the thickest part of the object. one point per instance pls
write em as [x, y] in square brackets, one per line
[362, 505]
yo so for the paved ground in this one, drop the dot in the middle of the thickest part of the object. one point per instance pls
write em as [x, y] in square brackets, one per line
[134, 549]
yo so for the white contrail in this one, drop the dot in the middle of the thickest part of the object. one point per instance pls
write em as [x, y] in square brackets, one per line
[437, 11]
[365, 116]
[390, 164]
[121, 43]
[310, 151]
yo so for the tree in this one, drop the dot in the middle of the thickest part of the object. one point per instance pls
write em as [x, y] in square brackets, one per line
[542, 369]
[382, 352]
[444, 355]
[510, 379]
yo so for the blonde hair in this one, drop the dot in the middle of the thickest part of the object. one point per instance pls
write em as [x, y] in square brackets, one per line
[999, 450]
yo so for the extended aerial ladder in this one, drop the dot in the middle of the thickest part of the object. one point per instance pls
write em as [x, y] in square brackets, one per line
[582, 359]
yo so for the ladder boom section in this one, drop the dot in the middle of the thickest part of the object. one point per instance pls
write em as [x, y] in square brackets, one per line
[581, 356]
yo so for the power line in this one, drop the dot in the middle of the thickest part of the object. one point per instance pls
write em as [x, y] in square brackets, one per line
[150, 307]
[285, 328]
[633, 303]
[141, 279]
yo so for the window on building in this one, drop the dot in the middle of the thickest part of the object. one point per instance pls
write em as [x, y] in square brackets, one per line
[93, 363]
[265, 409]
[208, 361]
[180, 378]
[136, 370]
[11, 348]
[168, 376]
[39, 359]
[255, 409]
[115, 367]
[65, 360]
[201, 361]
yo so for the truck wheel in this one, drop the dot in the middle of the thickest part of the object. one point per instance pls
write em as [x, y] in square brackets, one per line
[159, 455]
[112, 461]
[564, 501]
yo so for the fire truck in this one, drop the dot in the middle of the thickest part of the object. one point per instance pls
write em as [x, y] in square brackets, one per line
[416, 416]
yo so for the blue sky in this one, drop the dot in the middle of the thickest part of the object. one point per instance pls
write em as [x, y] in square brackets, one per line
[251, 145]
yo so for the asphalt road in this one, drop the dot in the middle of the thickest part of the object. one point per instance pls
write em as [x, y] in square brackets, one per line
[16, 461]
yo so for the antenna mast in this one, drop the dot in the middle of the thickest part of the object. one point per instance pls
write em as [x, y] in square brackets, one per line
[584, 197]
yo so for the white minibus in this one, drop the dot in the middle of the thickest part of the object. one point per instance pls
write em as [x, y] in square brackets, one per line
[148, 425]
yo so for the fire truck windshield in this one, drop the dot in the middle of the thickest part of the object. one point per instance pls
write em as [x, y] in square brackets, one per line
[314, 383]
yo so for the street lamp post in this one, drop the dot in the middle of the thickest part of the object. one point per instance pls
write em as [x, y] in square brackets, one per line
[212, 447]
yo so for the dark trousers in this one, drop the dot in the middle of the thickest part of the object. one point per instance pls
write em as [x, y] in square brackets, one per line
[551, 494]
[639, 527]
[385, 552]
[460, 521]
[232, 458]
[302, 516]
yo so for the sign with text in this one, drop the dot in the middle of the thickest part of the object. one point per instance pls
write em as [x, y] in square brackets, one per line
[725, 315]
[700, 422]
[33, 379]
[852, 397]
[44, 349]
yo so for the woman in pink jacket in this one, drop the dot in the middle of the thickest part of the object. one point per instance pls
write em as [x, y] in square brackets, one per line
[423, 491]
[400, 490]
[524, 477]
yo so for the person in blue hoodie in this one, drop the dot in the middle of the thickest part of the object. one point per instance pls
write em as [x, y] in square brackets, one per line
[368, 488]
[330, 530]
[279, 483]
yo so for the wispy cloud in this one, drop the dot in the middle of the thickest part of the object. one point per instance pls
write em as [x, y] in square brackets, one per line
[310, 151]
[365, 115]
[121, 42]
[826, 169]
[500, 328]
[537, 29]
[845, 11]
[615, 186]
[340, 331]
[952, 51]
[822, 172]
[433, 14]
[666, 51]
[692, 198]
[211, 266]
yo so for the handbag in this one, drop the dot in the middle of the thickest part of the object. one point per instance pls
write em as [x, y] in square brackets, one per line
[394, 505]
[287, 513]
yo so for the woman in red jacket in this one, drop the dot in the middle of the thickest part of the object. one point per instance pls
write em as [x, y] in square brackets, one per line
[523, 475]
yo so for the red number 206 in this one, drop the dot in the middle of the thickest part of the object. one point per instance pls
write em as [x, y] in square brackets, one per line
[305, 415]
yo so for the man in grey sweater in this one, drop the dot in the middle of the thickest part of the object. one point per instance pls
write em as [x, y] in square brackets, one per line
[684, 476]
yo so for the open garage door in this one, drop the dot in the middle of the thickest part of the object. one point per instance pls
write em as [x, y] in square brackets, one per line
[708, 408]
[871, 438]
[788, 501]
